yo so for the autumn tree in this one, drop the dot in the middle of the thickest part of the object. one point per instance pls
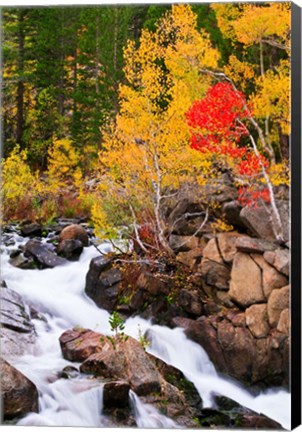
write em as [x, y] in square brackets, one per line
[219, 121]
[146, 156]
[259, 65]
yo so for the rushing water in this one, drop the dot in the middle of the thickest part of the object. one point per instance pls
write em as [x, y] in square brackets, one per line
[59, 294]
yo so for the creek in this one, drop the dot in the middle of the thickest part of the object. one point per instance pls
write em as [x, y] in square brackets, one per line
[59, 295]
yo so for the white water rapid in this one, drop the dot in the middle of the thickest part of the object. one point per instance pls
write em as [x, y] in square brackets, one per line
[59, 294]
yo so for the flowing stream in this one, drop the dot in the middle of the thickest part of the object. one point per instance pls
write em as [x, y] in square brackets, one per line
[59, 294]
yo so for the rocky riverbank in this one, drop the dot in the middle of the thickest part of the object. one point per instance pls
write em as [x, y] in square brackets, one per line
[229, 291]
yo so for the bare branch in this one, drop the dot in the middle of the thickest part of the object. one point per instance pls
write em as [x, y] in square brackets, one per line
[198, 229]
[136, 229]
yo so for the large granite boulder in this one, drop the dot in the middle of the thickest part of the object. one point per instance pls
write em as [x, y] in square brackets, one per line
[19, 394]
[42, 255]
[74, 232]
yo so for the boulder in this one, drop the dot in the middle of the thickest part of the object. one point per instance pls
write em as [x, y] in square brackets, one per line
[31, 230]
[42, 255]
[191, 258]
[284, 322]
[258, 220]
[19, 394]
[246, 282]
[103, 283]
[231, 213]
[226, 243]
[277, 302]
[190, 301]
[17, 330]
[215, 274]
[237, 353]
[126, 360]
[74, 232]
[257, 320]
[70, 249]
[116, 394]
[152, 283]
[212, 252]
[17, 259]
[185, 243]
[271, 278]
[78, 344]
[279, 259]
[254, 245]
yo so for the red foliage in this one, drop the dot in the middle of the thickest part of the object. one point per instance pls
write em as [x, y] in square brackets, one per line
[216, 117]
[250, 198]
[217, 126]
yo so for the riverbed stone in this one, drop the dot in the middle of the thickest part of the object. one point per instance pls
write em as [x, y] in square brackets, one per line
[74, 232]
[116, 394]
[31, 230]
[42, 255]
[284, 322]
[19, 394]
[70, 249]
[246, 282]
[78, 344]
[127, 360]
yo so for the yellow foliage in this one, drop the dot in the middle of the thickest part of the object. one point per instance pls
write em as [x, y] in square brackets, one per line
[63, 161]
[273, 96]
[268, 23]
[18, 182]
[148, 152]
[280, 174]
[240, 72]
[221, 226]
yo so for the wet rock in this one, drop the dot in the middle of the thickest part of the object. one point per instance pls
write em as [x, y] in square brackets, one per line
[74, 232]
[278, 301]
[69, 372]
[116, 394]
[257, 320]
[42, 255]
[103, 283]
[17, 259]
[70, 249]
[79, 344]
[31, 230]
[126, 359]
[8, 240]
[279, 259]
[246, 281]
[19, 394]
[13, 312]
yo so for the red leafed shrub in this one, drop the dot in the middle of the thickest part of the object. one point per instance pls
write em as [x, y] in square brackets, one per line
[217, 127]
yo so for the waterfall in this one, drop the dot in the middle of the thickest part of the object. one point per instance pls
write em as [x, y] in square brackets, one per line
[59, 294]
